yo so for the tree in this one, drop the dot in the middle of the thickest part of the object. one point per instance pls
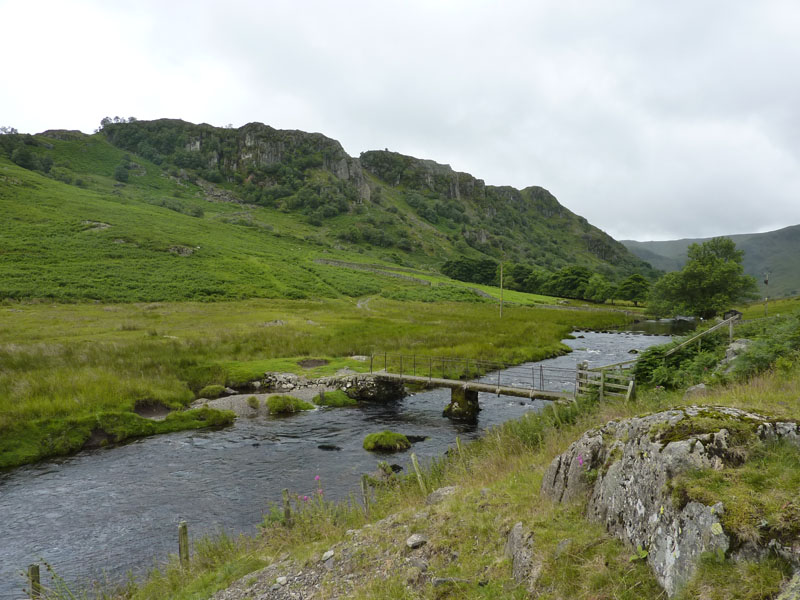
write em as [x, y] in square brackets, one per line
[634, 289]
[597, 289]
[569, 282]
[710, 282]
[121, 173]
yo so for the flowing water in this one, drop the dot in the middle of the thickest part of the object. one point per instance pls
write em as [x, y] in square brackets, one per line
[103, 513]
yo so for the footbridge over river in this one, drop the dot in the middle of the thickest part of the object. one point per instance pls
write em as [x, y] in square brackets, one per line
[467, 377]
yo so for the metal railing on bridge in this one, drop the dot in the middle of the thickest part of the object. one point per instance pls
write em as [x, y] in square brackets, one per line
[526, 376]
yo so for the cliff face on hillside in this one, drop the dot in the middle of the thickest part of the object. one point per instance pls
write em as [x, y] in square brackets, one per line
[247, 150]
[501, 211]
[414, 204]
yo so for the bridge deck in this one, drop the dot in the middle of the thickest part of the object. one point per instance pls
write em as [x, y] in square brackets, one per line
[477, 386]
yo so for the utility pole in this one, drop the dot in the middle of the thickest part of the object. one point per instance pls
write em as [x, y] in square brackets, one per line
[501, 290]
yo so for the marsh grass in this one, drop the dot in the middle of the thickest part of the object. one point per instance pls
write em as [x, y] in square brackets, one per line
[72, 361]
[281, 405]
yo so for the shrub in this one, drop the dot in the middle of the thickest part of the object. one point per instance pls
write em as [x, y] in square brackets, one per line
[252, 402]
[121, 173]
[211, 391]
[279, 405]
[336, 398]
[386, 441]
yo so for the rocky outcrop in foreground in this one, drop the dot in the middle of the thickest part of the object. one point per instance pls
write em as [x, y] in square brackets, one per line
[625, 469]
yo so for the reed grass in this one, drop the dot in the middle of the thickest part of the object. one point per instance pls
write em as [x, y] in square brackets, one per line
[63, 361]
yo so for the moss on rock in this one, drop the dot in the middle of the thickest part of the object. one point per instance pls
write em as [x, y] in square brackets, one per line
[336, 398]
[386, 441]
[279, 405]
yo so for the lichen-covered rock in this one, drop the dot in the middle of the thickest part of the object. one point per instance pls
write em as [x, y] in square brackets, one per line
[624, 469]
[519, 550]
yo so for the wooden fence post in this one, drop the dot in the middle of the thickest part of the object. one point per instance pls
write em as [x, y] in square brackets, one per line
[34, 582]
[602, 383]
[183, 544]
[287, 508]
[365, 493]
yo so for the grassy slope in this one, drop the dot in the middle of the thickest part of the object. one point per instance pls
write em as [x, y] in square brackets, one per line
[116, 242]
[773, 251]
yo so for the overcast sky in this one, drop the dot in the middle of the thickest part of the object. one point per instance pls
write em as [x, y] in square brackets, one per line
[654, 120]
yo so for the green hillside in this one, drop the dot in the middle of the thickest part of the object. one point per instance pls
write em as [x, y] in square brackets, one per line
[168, 210]
[775, 252]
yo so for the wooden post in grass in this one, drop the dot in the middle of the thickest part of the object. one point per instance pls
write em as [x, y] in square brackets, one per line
[34, 582]
[183, 544]
[602, 383]
[365, 493]
[287, 508]
[417, 470]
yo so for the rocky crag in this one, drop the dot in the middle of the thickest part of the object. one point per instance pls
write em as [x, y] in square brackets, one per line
[626, 469]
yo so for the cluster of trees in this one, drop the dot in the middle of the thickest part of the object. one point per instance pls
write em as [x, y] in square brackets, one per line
[382, 232]
[568, 282]
[20, 149]
[710, 283]
[447, 212]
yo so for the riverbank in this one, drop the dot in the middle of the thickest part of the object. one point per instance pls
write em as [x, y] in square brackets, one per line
[66, 364]
[337, 551]
[118, 508]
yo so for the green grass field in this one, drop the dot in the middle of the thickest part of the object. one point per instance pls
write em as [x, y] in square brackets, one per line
[64, 361]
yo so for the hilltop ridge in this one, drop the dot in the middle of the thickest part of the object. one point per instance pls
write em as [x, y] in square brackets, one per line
[233, 213]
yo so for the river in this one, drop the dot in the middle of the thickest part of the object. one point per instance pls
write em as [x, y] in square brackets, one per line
[104, 513]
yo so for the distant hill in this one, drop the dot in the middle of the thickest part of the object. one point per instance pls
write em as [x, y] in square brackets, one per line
[776, 252]
[170, 210]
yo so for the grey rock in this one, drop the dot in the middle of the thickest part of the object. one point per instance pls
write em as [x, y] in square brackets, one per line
[327, 555]
[791, 591]
[561, 547]
[696, 391]
[736, 348]
[439, 581]
[519, 549]
[624, 468]
[416, 540]
[437, 496]
[281, 580]
[419, 564]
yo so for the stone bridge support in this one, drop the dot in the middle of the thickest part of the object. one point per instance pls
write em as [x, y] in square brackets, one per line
[463, 404]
